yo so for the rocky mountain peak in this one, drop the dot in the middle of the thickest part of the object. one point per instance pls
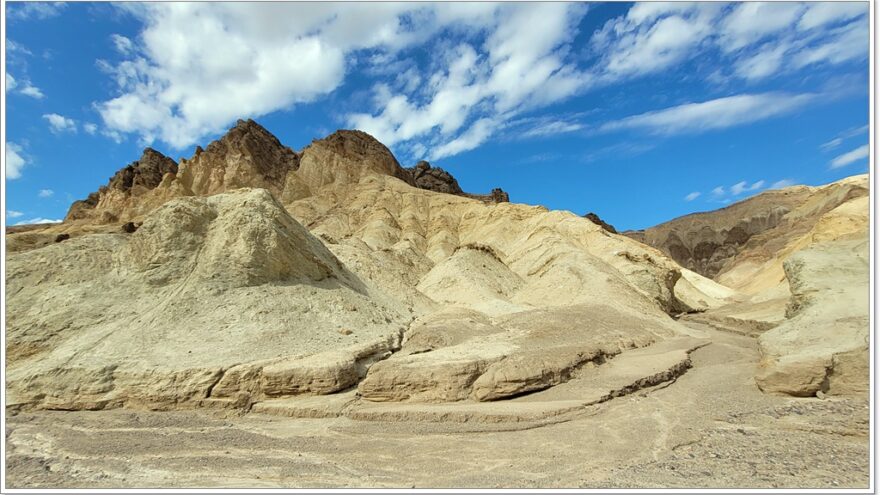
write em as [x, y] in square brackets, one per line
[601, 223]
[250, 139]
[424, 176]
[134, 179]
[146, 172]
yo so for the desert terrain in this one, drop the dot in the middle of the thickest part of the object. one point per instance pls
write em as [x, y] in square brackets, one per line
[257, 316]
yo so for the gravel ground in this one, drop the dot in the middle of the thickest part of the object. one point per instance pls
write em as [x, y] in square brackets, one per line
[710, 428]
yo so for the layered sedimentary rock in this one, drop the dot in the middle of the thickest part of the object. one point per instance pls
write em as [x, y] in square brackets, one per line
[822, 346]
[749, 232]
[216, 294]
[126, 187]
[250, 156]
[252, 273]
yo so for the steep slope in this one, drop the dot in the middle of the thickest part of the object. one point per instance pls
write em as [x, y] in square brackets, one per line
[800, 273]
[250, 156]
[823, 345]
[157, 318]
[226, 295]
[720, 244]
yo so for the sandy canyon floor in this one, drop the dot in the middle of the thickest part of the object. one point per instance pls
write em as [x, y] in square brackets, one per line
[711, 427]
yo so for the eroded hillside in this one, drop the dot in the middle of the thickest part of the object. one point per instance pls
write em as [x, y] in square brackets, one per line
[251, 277]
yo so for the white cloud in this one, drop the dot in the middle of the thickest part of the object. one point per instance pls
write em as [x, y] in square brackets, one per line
[763, 64]
[743, 186]
[719, 191]
[46, 193]
[32, 91]
[821, 13]
[474, 136]
[14, 161]
[34, 10]
[182, 80]
[60, 123]
[38, 220]
[843, 136]
[656, 36]
[782, 183]
[692, 196]
[850, 157]
[750, 22]
[521, 66]
[16, 48]
[847, 43]
[191, 79]
[90, 128]
[652, 37]
[830, 145]
[738, 188]
[549, 127]
[122, 44]
[714, 114]
[27, 88]
[13, 213]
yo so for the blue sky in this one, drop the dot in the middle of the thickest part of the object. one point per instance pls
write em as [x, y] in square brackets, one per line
[638, 112]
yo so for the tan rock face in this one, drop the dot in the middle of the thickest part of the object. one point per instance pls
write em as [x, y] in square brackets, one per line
[125, 188]
[336, 273]
[156, 318]
[247, 156]
[823, 344]
[731, 244]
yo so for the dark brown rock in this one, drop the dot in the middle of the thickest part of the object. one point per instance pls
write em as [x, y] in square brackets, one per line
[711, 243]
[62, 237]
[601, 223]
[425, 176]
[267, 155]
[135, 178]
[129, 227]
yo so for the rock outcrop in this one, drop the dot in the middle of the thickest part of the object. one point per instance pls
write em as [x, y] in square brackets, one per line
[251, 272]
[135, 179]
[747, 233]
[822, 345]
[601, 223]
[424, 176]
[248, 155]
[158, 317]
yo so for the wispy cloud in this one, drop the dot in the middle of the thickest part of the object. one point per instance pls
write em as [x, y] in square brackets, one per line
[618, 150]
[721, 194]
[38, 220]
[720, 113]
[24, 87]
[782, 183]
[122, 44]
[840, 138]
[14, 214]
[15, 160]
[552, 128]
[852, 156]
[692, 196]
[60, 123]
[32, 91]
[46, 193]
[34, 10]
[743, 186]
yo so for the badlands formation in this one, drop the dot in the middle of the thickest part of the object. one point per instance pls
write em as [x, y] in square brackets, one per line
[259, 316]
